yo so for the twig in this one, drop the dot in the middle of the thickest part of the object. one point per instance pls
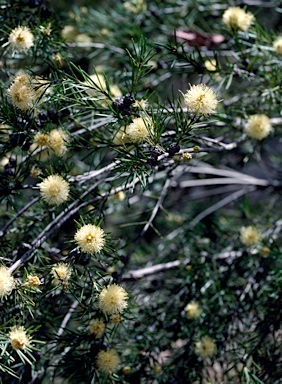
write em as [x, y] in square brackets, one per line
[220, 204]
[140, 273]
[21, 211]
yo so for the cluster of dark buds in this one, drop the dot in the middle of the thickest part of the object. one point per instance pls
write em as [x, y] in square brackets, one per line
[123, 104]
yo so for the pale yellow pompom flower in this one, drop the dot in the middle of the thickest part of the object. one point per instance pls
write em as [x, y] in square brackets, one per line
[61, 271]
[210, 65]
[193, 310]
[97, 327]
[250, 235]
[205, 347]
[41, 139]
[201, 100]
[237, 19]
[108, 361]
[258, 127]
[141, 129]
[90, 238]
[54, 190]
[33, 281]
[277, 45]
[7, 282]
[136, 6]
[57, 141]
[113, 299]
[21, 38]
[21, 93]
[18, 337]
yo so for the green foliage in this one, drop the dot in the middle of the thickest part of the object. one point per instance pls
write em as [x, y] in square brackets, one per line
[189, 202]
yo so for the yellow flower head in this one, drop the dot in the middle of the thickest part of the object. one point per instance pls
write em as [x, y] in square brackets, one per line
[116, 319]
[57, 141]
[54, 190]
[258, 127]
[205, 347]
[7, 282]
[193, 310]
[21, 38]
[236, 19]
[277, 45]
[97, 327]
[21, 93]
[90, 238]
[135, 6]
[108, 361]
[250, 235]
[201, 100]
[113, 299]
[41, 139]
[61, 271]
[139, 130]
[18, 337]
[33, 281]
[210, 65]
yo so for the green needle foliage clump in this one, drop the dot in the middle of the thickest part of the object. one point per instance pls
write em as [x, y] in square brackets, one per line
[140, 180]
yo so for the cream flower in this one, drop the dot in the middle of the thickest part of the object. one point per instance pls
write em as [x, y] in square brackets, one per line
[18, 337]
[139, 130]
[57, 141]
[135, 6]
[113, 299]
[205, 347]
[33, 281]
[7, 282]
[250, 235]
[201, 100]
[21, 93]
[193, 310]
[61, 272]
[277, 45]
[90, 238]
[54, 190]
[41, 139]
[108, 361]
[21, 38]
[97, 327]
[237, 19]
[210, 65]
[258, 127]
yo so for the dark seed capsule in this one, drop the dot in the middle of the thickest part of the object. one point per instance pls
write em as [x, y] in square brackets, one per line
[154, 152]
[128, 100]
[152, 161]
[173, 149]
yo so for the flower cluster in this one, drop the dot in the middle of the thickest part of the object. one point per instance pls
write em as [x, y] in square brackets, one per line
[193, 310]
[141, 129]
[201, 100]
[19, 338]
[277, 45]
[61, 273]
[90, 238]
[7, 282]
[258, 127]
[56, 140]
[21, 38]
[205, 347]
[250, 235]
[236, 19]
[54, 190]
[113, 299]
[21, 93]
[108, 361]
[97, 327]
